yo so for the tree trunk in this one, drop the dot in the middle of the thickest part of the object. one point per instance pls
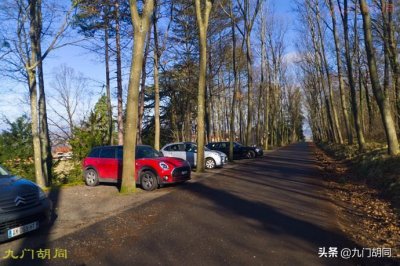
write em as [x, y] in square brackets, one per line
[235, 86]
[120, 123]
[381, 98]
[202, 16]
[141, 24]
[343, 99]
[31, 72]
[156, 55]
[47, 160]
[143, 89]
[353, 94]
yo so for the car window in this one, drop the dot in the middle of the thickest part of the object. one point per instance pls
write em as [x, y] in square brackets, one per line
[146, 152]
[3, 171]
[94, 153]
[168, 148]
[223, 145]
[213, 145]
[108, 152]
[190, 147]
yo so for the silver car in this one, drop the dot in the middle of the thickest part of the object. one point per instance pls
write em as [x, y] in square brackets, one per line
[188, 152]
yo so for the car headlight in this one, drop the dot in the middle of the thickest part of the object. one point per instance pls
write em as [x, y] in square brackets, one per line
[257, 150]
[42, 195]
[164, 165]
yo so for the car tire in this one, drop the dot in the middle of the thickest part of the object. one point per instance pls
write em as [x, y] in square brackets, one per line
[91, 178]
[210, 163]
[148, 180]
[250, 154]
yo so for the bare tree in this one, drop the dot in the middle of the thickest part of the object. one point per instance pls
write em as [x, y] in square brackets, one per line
[381, 96]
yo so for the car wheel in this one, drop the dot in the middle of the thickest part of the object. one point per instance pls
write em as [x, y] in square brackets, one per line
[91, 178]
[250, 154]
[148, 180]
[210, 163]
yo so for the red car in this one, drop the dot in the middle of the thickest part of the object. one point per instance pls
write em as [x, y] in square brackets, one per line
[104, 164]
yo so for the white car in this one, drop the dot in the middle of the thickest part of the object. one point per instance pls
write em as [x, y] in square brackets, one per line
[188, 152]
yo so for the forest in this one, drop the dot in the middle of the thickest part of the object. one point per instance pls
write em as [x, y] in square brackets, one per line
[202, 71]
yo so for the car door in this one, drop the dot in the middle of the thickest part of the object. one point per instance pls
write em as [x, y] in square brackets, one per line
[191, 153]
[177, 150]
[108, 167]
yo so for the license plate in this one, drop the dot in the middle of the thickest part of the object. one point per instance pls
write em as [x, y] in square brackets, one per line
[184, 172]
[22, 229]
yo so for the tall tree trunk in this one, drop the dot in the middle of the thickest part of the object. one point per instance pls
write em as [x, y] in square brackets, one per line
[143, 89]
[31, 72]
[108, 86]
[202, 16]
[235, 85]
[156, 55]
[390, 42]
[120, 123]
[336, 127]
[350, 76]
[381, 98]
[343, 99]
[141, 25]
[47, 160]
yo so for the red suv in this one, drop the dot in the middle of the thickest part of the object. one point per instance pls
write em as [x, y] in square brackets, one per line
[104, 164]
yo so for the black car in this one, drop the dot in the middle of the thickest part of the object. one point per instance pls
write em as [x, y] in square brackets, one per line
[239, 151]
[24, 206]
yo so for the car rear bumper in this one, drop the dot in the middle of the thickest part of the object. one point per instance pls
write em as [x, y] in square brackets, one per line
[40, 213]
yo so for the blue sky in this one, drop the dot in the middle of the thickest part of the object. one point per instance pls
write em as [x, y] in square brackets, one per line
[14, 96]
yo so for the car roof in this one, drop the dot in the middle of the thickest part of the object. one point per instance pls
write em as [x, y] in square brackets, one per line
[116, 146]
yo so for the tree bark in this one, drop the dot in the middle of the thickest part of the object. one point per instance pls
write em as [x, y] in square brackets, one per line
[31, 72]
[202, 16]
[156, 55]
[141, 24]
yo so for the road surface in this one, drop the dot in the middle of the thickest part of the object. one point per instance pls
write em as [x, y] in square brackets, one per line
[267, 211]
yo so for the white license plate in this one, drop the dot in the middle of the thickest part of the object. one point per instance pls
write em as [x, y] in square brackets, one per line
[22, 229]
[184, 172]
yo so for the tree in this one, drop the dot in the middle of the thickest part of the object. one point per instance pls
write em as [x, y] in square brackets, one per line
[350, 76]
[381, 96]
[69, 98]
[92, 132]
[141, 25]
[203, 9]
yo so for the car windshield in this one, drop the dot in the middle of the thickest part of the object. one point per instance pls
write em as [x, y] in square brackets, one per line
[3, 172]
[146, 152]
[206, 149]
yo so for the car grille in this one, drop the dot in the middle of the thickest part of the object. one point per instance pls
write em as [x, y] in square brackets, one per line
[177, 172]
[19, 202]
[19, 222]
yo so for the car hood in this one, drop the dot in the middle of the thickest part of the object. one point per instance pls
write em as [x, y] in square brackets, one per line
[176, 162]
[14, 185]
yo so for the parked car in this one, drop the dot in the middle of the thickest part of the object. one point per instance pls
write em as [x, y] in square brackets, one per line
[188, 152]
[24, 206]
[239, 151]
[104, 164]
